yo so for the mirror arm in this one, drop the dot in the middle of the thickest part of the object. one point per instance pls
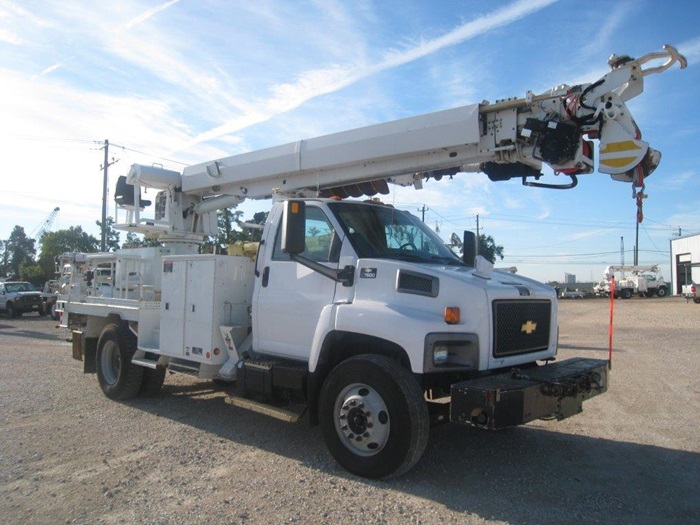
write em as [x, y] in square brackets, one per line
[345, 276]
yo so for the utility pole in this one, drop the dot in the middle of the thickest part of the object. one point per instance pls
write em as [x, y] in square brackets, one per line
[423, 210]
[478, 241]
[107, 164]
[622, 251]
[636, 243]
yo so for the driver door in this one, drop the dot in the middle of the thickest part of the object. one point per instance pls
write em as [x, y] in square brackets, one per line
[290, 296]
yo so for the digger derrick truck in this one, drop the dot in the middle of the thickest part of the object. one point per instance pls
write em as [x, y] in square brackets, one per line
[353, 312]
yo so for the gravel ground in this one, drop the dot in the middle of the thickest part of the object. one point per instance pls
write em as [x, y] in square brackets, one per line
[70, 455]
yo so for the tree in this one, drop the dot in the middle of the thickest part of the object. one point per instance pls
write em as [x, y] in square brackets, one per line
[259, 218]
[53, 244]
[4, 258]
[111, 235]
[19, 251]
[486, 247]
[134, 241]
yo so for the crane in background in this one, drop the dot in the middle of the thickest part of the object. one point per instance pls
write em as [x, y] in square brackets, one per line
[45, 226]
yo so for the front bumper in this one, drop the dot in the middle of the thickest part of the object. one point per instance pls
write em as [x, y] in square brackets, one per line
[555, 390]
[28, 306]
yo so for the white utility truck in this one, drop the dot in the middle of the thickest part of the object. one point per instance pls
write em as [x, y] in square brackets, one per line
[353, 311]
[644, 281]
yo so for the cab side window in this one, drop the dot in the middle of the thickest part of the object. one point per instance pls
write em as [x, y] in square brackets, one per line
[321, 244]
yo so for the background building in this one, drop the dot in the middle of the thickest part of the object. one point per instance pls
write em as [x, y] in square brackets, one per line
[685, 261]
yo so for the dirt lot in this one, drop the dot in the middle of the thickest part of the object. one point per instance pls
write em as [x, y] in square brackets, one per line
[70, 455]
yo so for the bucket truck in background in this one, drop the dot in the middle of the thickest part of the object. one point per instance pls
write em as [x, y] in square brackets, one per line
[644, 281]
[354, 312]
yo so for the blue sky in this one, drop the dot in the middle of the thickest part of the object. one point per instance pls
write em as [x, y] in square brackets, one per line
[184, 81]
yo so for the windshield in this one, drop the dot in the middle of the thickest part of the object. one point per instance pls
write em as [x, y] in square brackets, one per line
[20, 287]
[387, 233]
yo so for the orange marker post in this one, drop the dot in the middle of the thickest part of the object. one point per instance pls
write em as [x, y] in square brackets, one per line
[610, 329]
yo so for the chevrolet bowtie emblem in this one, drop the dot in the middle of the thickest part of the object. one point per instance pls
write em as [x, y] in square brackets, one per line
[528, 327]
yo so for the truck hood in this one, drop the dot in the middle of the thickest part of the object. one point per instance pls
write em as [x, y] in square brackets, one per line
[391, 290]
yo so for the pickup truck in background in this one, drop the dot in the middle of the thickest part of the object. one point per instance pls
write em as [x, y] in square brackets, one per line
[692, 291]
[18, 297]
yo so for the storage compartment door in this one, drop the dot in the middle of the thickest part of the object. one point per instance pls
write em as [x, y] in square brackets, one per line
[199, 308]
[172, 307]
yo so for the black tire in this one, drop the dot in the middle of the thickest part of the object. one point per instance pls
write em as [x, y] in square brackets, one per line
[152, 381]
[696, 301]
[118, 377]
[54, 313]
[661, 291]
[12, 312]
[373, 416]
[626, 293]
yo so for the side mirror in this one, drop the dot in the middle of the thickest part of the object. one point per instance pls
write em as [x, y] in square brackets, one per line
[294, 227]
[469, 248]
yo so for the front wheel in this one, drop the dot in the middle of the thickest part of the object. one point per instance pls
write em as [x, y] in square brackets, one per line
[661, 292]
[152, 381]
[118, 377]
[373, 416]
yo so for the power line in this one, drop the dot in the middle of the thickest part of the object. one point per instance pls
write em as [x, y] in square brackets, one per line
[126, 148]
[49, 139]
[88, 141]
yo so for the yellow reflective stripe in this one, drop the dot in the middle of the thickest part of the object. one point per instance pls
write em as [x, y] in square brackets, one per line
[616, 147]
[618, 162]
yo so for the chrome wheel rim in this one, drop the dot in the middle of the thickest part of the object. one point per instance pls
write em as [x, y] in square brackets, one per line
[362, 419]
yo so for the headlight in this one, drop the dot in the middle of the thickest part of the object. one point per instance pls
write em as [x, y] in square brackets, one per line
[440, 354]
[453, 351]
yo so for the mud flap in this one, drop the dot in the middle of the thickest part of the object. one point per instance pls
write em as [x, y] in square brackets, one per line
[555, 390]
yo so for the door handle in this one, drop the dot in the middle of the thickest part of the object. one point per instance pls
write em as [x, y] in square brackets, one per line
[257, 256]
[265, 276]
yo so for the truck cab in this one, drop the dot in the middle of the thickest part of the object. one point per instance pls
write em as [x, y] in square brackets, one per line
[377, 276]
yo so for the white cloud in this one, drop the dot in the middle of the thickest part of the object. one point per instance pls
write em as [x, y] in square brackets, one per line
[313, 83]
[691, 50]
[146, 15]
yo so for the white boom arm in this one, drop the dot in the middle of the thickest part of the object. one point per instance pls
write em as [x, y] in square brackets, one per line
[610, 270]
[507, 139]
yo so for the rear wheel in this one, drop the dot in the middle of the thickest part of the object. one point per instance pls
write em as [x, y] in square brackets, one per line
[118, 377]
[661, 292]
[54, 313]
[373, 416]
[626, 293]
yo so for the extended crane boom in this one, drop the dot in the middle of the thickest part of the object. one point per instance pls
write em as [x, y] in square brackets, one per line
[510, 138]
[46, 225]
